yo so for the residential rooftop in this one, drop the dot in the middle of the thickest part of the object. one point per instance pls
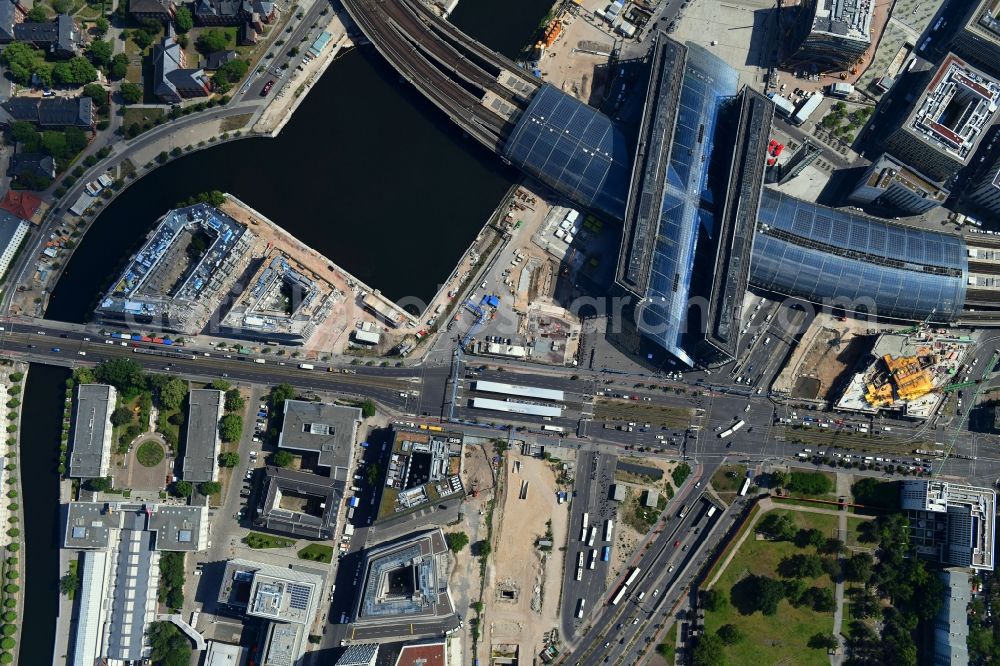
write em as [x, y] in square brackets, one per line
[91, 456]
[201, 450]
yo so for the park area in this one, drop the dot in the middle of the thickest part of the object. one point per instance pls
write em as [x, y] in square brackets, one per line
[767, 572]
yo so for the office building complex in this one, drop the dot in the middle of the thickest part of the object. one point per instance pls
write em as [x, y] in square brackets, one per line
[321, 429]
[894, 184]
[202, 445]
[179, 277]
[405, 582]
[979, 39]
[91, 456]
[948, 120]
[830, 35]
[299, 503]
[986, 192]
[951, 522]
[119, 572]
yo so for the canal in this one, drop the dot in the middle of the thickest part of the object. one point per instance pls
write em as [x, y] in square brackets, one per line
[41, 426]
[367, 172]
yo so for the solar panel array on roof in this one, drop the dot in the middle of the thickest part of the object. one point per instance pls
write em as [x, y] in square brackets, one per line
[856, 262]
[298, 596]
[574, 149]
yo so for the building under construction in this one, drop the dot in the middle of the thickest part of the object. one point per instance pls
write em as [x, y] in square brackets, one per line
[904, 378]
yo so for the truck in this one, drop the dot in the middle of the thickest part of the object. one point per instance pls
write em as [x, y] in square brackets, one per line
[259, 360]
[306, 366]
[807, 108]
[353, 502]
[348, 530]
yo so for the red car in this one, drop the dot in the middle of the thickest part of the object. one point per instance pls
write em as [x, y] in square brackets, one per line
[677, 543]
[267, 88]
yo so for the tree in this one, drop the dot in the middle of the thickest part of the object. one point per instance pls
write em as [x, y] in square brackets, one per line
[281, 459]
[832, 546]
[730, 634]
[54, 143]
[99, 484]
[457, 541]
[801, 566]
[172, 393]
[96, 92]
[20, 58]
[75, 71]
[169, 646]
[100, 52]
[234, 401]
[229, 459]
[142, 39]
[777, 526]
[708, 651]
[281, 393]
[211, 41]
[76, 140]
[37, 14]
[810, 537]
[119, 66]
[714, 601]
[121, 416]
[69, 584]
[778, 479]
[122, 373]
[232, 71]
[859, 568]
[367, 408]
[183, 19]
[220, 385]
[822, 642]
[131, 93]
[209, 487]
[101, 26]
[183, 488]
[231, 427]
[22, 131]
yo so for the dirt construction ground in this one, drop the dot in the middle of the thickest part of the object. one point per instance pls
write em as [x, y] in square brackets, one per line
[523, 590]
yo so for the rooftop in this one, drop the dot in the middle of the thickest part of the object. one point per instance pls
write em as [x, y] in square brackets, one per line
[21, 204]
[89, 525]
[985, 21]
[299, 503]
[403, 581]
[91, 454]
[325, 429]
[201, 450]
[844, 18]
[956, 108]
[179, 276]
[887, 170]
[429, 654]
[970, 513]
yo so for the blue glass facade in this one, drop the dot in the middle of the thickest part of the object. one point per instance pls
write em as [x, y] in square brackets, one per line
[574, 149]
[855, 262]
[687, 200]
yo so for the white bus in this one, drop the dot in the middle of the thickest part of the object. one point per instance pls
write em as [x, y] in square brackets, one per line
[593, 535]
[306, 366]
[552, 428]
[586, 523]
[729, 431]
[579, 608]
[632, 576]
[745, 488]
[609, 526]
[593, 559]
[579, 560]
[618, 595]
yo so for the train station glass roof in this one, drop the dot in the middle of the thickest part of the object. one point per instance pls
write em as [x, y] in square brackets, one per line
[687, 199]
[855, 262]
[574, 149]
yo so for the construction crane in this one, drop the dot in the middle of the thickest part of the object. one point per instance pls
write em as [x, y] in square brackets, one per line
[917, 327]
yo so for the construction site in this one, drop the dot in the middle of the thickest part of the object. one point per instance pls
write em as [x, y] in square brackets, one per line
[909, 372]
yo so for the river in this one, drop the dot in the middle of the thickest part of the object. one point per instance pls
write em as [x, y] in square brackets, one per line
[367, 172]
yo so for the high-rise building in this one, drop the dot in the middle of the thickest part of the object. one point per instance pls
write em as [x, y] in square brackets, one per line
[831, 34]
[952, 522]
[948, 120]
[893, 183]
[979, 39]
[986, 192]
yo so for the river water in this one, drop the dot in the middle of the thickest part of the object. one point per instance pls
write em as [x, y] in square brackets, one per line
[367, 172]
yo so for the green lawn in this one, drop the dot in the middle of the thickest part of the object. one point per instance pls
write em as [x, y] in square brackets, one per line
[141, 115]
[729, 478]
[261, 540]
[783, 637]
[316, 552]
[150, 453]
